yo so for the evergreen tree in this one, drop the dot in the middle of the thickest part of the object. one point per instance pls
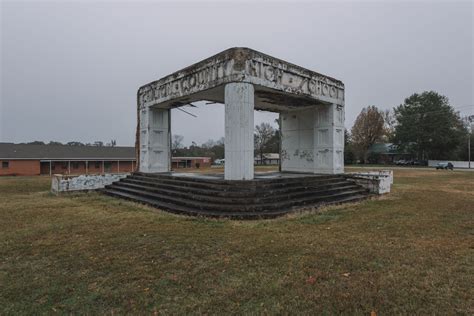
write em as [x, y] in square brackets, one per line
[428, 127]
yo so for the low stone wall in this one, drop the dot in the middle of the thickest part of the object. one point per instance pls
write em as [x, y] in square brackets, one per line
[377, 182]
[62, 183]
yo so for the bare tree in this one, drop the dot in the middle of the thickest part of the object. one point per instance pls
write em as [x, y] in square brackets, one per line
[177, 143]
[220, 141]
[112, 143]
[263, 134]
[209, 144]
[368, 129]
[390, 123]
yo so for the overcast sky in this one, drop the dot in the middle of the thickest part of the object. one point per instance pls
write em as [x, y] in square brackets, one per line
[70, 70]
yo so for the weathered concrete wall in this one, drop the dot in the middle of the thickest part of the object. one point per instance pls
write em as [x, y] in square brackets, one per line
[242, 64]
[329, 139]
[61, 183]
[313, 140]
[239, 126]
[297, 141]
[377, 182]
[155, 139]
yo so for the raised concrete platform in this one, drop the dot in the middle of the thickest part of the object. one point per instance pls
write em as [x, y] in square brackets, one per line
[268, 195]
[258, 176]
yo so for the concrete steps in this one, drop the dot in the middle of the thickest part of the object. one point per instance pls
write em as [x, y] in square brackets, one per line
[260, 198]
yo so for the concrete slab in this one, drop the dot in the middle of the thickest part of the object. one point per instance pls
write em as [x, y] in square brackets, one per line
[279, 85]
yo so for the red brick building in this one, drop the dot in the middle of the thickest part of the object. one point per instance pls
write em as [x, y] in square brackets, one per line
[23, 159]
[190, 162]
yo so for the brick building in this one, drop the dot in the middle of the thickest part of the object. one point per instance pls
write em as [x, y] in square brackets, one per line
[22, 159]
[190, 162]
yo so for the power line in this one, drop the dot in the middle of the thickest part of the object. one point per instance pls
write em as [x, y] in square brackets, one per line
[186, 112]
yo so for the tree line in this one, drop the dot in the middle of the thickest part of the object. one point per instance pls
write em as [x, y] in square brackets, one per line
[425, 126]
[98, 143]
[266, 140]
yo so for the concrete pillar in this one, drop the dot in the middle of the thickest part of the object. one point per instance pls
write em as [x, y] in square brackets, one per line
[297, 144]
[329, 139]
[239, 147]
[155, 140]
[313, 140]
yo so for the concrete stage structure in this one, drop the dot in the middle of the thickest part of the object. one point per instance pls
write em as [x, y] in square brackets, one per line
[311, 108]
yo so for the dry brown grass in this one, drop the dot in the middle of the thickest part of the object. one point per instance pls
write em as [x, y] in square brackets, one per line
[407, 253]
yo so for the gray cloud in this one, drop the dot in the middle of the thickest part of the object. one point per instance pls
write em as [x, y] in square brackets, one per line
[70, 71]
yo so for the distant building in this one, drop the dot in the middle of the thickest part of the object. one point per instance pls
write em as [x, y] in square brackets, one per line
[190, 162]
[268, 159]
[385, 153]
[23, 159]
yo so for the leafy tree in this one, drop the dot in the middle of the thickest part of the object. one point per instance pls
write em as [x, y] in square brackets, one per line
[36, 142]
[262, 136]
[467, 141]
[75, 144]
[368, 128]
[54, 143]
[428, 126]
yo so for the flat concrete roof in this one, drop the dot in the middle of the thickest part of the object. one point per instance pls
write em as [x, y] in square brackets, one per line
[279, 85]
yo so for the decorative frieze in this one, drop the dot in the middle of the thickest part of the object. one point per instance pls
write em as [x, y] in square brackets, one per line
[242, 65]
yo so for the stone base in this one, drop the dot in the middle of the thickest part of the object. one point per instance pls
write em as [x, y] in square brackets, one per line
[268, 195]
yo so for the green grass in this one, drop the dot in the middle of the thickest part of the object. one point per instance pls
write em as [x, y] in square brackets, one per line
[410, 252]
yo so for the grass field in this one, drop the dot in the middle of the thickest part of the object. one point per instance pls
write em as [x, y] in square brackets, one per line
[410, 252]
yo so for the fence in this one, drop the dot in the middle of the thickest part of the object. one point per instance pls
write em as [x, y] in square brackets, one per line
[456, 164]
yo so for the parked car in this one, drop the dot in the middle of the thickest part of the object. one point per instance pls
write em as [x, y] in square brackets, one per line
[444, 165]
[400, 162]
[219, 162]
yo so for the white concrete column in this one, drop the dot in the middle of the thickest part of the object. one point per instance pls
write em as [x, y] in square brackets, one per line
[155, 136]
[313, 140]
[239, 126]
[329, 139]
[297, 144]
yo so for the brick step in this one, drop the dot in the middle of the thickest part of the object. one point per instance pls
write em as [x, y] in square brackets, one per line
[252, 198]
[236, 194]
[244, 185]
[173, 208]
[243, 207]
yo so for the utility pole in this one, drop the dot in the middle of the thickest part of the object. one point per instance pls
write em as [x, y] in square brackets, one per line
[470, 120]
